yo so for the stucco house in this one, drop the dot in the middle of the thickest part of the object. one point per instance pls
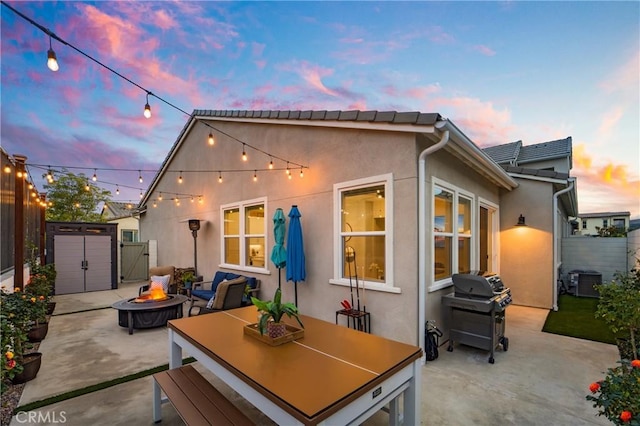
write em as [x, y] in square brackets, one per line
[589, 223]
[124, 214]
[409, 191]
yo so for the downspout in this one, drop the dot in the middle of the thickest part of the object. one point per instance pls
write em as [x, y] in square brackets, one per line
[555, 241]
[422, 227]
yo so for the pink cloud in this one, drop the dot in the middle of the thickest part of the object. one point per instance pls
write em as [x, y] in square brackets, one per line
[163, 20]
[439, 36]
[624, 77]
[609, 122]
[481, 121]
[487, 51]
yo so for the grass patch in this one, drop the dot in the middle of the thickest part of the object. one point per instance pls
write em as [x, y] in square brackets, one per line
[575, 317]
[93, 388]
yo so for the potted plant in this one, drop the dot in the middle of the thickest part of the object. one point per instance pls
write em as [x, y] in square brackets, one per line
[271, 313]
[188, 277]
[619, 307]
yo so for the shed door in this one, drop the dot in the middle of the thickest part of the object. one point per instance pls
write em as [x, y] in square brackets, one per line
[97, 254]
[69, 255]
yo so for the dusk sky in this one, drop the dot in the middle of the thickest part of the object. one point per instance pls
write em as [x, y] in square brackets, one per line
[501, 71]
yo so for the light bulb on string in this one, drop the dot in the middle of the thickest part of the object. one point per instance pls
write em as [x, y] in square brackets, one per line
[212, 141]
[140, 194]
[147, 107]
[180, 177]
[160, 197]
[50, 175]
[7, 169]
[52, 61]
[255, 175]
[192, 200]
[270, 163]
[155, 204]
[301, 172]
[117, 190]
[219, 177]
[288, 171]
[244, 153]
[87, 187]
[95, 176]
[200, 200]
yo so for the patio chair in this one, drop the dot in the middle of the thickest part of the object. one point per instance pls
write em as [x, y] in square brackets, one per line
[228, 295]
[205, 290]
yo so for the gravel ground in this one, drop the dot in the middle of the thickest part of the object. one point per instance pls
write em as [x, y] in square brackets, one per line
[10, 400]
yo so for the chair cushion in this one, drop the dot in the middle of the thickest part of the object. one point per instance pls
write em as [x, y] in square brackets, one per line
[203, 294]
[221, 293]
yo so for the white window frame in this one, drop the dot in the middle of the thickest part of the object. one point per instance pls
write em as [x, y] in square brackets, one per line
[241, 206]
[134, 233]
[338, 188]
[473, 260]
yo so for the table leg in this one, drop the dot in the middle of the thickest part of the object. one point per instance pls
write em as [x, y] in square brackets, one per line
[157, 402]
[412, 396]
[175, 352]
[130, 321]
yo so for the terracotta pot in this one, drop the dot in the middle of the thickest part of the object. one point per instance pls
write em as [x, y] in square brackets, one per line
[30, 367]
[276, 329]
[38, 332]
[51, 306]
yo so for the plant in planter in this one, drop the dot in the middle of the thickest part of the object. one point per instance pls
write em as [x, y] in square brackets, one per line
[188, 278]
[619, 307]
[271, 313]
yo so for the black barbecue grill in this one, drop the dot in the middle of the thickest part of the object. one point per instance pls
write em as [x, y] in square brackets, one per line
[477, 311]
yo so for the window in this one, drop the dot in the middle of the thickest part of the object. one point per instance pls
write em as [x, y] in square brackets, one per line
[129, 236]
[605, 223]
[584, 224]
[619, 223]
[244, 237]
[364, 237]
[453, 248]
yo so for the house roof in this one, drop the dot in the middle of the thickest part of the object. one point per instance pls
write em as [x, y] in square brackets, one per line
[412, 122]
[117, 210]
[516, 154]
[602, 214]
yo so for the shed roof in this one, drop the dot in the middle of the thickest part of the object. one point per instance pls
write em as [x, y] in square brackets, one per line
[516, 154]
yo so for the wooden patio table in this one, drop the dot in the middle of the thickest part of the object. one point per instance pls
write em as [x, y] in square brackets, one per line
[332, 375]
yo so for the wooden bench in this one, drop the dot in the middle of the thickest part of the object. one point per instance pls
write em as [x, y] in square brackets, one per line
[195, 399]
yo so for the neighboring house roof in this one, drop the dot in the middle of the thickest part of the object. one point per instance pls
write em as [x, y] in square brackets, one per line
[504, 154]
[116, 210]
[407, 122]
[602, 214]
[516, 154]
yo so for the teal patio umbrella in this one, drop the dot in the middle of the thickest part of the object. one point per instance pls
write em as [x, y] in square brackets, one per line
[295, 251]
[279, 254]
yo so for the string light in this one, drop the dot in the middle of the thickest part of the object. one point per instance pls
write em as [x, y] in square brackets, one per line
[7, 169]
[255, 175]
[141, 195]
[219, 177]
[244, 153]
[87, 187]
[192, 200]
[270, 163]
[117, 190]
[50, 176]
[288, 170]
[147, 110]
[211, 140]
[139, 176]
[155, 204]
[52, 61]
[160, 197]
[301, 172]
[95, 177]
[180, 177]
[200, 200]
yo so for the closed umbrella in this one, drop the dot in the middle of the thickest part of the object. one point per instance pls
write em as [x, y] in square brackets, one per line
[295, 251]
[279, 254]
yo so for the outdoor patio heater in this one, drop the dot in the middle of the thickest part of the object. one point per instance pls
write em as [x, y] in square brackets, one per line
[477, 311]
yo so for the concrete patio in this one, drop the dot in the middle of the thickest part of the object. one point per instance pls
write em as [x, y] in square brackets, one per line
[541, 380]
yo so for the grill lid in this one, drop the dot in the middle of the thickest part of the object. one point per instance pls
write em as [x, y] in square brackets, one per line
[477, 285]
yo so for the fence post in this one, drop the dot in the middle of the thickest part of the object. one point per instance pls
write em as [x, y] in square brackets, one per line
[21, 173]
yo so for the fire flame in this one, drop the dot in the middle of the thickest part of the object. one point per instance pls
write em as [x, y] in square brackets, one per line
[155, 293]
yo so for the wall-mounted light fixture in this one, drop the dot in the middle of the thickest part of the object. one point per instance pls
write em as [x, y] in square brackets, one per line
[521, 221]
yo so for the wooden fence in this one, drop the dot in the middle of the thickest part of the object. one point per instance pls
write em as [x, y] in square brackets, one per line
[22, 217]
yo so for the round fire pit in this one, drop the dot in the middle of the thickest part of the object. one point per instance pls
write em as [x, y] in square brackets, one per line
[148, 314]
